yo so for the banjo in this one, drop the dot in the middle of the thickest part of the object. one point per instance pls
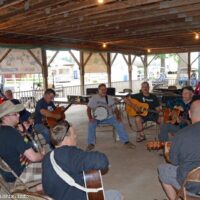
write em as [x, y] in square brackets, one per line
[101, 113]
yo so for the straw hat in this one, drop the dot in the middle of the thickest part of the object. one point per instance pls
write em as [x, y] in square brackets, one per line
[7, 107]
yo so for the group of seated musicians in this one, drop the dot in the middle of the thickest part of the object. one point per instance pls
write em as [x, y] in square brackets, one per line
[63, 138]
[26, 162]
[171, 118]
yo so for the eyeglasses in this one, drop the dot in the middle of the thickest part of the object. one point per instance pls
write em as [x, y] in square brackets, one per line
[68, 125]
[13, 114]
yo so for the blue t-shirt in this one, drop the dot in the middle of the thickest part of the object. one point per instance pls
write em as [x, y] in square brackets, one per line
[24, 114]
[42, 104]
[186, 107]
[12, 148]
[73, 161]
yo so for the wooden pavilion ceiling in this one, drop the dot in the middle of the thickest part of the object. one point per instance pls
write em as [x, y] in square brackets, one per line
[126, 26]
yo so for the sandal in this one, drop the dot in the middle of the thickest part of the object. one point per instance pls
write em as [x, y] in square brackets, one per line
[141, 138]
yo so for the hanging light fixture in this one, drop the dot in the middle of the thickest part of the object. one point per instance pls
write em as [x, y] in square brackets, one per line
[100, 1]
[149, 50]
[196, 36]
[104, 45]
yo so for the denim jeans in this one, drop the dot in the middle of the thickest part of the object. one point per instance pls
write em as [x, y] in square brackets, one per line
[111, 121]
[165, 129]
[40, 128]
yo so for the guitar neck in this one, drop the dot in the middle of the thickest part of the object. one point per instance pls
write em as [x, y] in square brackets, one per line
[67, 106]
[152, 111]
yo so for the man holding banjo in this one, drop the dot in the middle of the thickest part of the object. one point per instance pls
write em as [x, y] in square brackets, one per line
[102, 110]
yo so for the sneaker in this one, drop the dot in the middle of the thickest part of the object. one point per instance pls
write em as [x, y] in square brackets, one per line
[129, 145]
[90, 147]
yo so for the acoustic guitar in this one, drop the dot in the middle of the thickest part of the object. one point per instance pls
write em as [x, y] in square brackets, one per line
[93, 179]
[52, 121]
[173, 115]
[143, 108]
[155, 145]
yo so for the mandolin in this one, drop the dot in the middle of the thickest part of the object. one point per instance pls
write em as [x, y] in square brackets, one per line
[173, 115]
[143, 108]
[93, 179]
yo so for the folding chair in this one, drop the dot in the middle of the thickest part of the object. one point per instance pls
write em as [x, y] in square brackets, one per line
[192, 177]
[148, 127]
[108, 128]
[15, 191]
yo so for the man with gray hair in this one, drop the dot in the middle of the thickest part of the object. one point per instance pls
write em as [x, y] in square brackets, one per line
[184, 156]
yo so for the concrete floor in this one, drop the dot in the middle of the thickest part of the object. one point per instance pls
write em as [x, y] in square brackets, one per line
[133, 172]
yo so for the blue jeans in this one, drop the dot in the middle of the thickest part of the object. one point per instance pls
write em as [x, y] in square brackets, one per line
[167, 174]
[112, 121]
[40, 128]
[165, 129]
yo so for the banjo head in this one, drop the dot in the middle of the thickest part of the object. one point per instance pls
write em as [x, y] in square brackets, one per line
[100, 113]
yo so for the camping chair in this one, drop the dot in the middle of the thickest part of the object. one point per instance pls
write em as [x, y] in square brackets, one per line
[192, 177]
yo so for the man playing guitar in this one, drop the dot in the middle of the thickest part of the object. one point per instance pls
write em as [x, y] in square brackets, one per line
[145, 97]
[44, 109]
[72, 161]
[173, 125]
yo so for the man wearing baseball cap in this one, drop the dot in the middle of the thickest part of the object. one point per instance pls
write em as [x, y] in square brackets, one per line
[14, 150]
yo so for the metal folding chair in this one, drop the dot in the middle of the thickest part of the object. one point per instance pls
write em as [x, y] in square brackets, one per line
[15, 191]
[192, 177]
[107, 128]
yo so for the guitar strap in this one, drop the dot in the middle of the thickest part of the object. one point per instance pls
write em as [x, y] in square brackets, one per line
[106, 99]
[68, 179]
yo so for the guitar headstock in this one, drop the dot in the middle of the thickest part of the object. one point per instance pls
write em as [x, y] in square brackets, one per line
[155, 145]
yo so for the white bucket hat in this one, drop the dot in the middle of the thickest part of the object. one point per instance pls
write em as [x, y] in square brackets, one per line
[7, 107]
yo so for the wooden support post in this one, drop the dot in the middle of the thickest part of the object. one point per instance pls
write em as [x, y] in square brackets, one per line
[130, 71]
[109, 69]
[82, 73]
[129, 63]
[189, 67]
[145, 67]
[44, 69]
[5, 54]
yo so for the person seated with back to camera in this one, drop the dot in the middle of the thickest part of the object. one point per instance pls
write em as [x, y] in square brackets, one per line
[184, 155]
[145, 97]
[178, 121]
[73, 161]
[107, 102]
